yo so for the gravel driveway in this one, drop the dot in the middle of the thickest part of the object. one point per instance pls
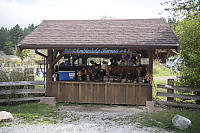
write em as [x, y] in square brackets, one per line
[93, 119]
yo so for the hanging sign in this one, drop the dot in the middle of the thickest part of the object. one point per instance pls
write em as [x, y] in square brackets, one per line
[145, 61]
[96, 50]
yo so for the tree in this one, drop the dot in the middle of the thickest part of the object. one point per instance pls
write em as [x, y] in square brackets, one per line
[9, 48]
[187, 29]
[182, 8]
[188, 34]
[25, 53]
[30, 28]
[3, 37]
[10, 38]
[16, 34]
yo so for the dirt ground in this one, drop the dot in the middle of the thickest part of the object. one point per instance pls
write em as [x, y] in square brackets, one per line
[111, 109]
[88, 118]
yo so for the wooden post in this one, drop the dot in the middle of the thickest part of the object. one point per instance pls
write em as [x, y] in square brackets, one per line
[84, 59]
[49, 72]
[170, 82]
[150, 70]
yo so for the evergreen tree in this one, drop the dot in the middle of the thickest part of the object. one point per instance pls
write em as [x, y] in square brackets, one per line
[9, 48]
[16, 34]
[3, 37]
[10, 38]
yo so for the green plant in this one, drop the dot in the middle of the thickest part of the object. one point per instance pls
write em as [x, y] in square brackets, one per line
[188, 33]
[3, 76]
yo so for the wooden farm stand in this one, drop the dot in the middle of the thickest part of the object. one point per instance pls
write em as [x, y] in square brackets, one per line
[140, 36]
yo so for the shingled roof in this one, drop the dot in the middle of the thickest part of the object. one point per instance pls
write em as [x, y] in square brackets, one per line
[152, 33]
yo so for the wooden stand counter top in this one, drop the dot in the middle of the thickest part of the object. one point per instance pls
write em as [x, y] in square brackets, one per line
[101, 92]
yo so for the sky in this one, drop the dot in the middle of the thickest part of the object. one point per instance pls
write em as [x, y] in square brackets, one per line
[25, 12]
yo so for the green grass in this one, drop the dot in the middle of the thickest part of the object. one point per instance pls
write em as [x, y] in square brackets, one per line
[33, 112]
[162, 120]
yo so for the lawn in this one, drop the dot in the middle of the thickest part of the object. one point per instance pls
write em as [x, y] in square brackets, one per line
[33, 112]
[163, 119]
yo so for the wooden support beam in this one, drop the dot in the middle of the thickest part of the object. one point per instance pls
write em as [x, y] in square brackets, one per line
[150, 56]
[150, 70]
[58, 58]
[49, 72]
[39, 53]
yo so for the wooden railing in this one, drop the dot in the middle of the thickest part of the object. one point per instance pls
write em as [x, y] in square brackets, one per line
[29, 92]
[171, 95]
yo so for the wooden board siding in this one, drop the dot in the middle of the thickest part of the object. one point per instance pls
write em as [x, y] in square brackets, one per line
[102, 93]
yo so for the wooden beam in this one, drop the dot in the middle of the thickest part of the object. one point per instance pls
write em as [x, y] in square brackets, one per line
[21, 83]
[58, 58]
[150, 69]
[177, 88]
[49, 72]
[193, 97]
[39, 53]
[150, 56]
[175, 104]
[22, 91]
[20, 99]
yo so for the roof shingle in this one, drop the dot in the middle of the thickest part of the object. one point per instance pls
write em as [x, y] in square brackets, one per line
[101, 33]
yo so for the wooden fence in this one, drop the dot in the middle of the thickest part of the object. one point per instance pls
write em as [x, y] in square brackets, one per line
[30, 93]
[171, 95]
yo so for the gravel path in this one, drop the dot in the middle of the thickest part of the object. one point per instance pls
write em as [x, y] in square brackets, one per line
[81, 119]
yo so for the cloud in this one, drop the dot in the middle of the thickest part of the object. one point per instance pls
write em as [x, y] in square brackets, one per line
[21, 12]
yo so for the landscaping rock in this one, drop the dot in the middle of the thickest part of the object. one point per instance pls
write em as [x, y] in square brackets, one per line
[181, 122]
[5, 116]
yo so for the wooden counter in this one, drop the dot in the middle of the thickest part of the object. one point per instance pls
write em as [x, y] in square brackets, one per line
[101, 92]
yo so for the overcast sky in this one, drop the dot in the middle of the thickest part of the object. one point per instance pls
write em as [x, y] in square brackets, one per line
[25, 12]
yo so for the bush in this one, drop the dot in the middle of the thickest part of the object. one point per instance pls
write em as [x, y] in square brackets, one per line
[188, 33]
